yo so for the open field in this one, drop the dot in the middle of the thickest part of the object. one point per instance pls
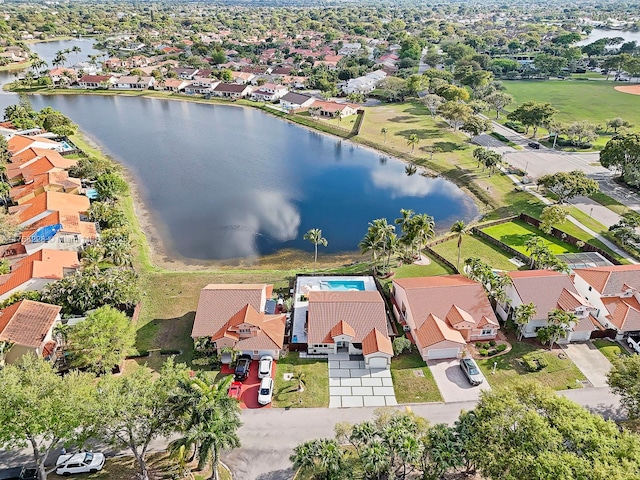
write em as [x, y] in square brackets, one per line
[516, 233]
[560, 374]
[475, 247]
[409, 387]
[594, 101]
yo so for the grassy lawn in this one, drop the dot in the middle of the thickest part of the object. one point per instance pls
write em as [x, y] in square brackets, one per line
[611, 350]
[160, 465]
[610, 203]
[412, 270]
[560, 374]
[569, 98]
[409, 387]
[475, 247]
[517, 232]
[316, 390]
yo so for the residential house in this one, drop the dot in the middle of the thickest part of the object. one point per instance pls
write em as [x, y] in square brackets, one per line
[47, 203]
[35, 161]
[186, 73]
[58, 181]
[330, 61]
[443, 313]
[175, 85]
[269, 92]
[353, 322]
[350, 48]
[133, 82]
[231, 90]
[19, 143]
[333, 109]
[28, 327]
[95, 81]
[60, 231]
[614, 291]
[34, 271]
[243, 77]
[235, 316]
[548, 290]
[365, 84]
[201, 86]
[296, 101]
[62, 76]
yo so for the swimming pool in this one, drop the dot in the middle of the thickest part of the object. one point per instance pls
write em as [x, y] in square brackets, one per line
[343, 285]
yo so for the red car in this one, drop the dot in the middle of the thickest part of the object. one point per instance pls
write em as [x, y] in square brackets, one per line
[235, 389]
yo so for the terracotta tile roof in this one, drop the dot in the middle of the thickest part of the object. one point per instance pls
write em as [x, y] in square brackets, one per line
[43, 264]
[611, 280]
[18, 143]
[548, 290]
[362, 310]
[342, 328]
[484, 321]
[49, 348]
[624, 313]
[270, 333]
[376, 341]
[94, 78]
[50, 202]
[27, 322]
[585, 324]
[456, 315]
[46, 181]
[434, 330]
[219, 302]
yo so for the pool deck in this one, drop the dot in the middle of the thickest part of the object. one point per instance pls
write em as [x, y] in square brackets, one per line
[306, 284]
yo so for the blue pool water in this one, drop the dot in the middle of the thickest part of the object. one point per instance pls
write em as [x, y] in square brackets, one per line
[345, 284]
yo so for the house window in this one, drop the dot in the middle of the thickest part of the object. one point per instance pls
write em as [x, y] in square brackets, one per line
[245, 330]
[590, 288]
[487, 332]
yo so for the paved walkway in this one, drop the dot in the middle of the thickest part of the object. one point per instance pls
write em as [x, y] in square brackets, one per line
[591, 362]
[351, 384]
[452, 383]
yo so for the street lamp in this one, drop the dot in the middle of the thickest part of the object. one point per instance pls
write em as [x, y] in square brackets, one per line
[525, 168]
[591, 212]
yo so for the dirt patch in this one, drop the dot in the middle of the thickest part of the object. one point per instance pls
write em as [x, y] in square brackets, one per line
[632, 89]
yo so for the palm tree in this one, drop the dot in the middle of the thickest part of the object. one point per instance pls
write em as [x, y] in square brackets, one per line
[315, 236]
[375, 459]
[325, 454]
[410, 169]
[383, 131]
[522, 315]
[370, 244]
[405, 223]
[459, 228]
[412, 141]
[423, 230]
[559, 323]
[76, 49]
[386, 238]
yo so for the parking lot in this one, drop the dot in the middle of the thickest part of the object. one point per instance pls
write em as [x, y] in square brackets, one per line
[250, 386]
[452, 383]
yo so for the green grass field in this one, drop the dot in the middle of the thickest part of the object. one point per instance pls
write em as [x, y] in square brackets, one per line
[609, 349]
[595, 101]
[409, 387]
[475, 247]
[516, 233]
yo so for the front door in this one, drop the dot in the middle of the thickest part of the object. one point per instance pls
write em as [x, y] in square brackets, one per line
[343, 346]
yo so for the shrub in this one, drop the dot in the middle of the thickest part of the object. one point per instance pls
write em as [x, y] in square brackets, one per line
[533, 362]
[501, 348]
[478, 345]
[492, 352]
[492, 343]
[518, 127]
[483, 352]
[486, 346]
[400, 344]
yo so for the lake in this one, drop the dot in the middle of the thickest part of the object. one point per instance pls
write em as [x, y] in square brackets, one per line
[598, 33]
[228, 182]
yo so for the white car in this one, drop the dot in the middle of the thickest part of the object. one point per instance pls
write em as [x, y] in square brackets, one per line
[266, 391]
[83, 462]
[266, 364]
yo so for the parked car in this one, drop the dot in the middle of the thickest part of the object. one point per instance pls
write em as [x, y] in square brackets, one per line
[235, 389]
[535, 145]
[471, 371]
[266, 364]
[18, 473]
[83, 462]
[266, 391]
[243, 365]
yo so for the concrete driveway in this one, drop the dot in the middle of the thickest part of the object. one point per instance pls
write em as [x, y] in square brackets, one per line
[591, 362]
[453, 385]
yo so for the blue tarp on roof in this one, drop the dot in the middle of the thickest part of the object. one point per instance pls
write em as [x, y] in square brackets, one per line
[44, 234]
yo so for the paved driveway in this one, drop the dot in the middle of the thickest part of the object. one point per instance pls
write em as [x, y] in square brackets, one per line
[591, 362]
[453, 385]
[351, 384]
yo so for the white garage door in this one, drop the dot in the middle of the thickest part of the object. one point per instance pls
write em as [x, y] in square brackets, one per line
[438, 353]
[378, 362]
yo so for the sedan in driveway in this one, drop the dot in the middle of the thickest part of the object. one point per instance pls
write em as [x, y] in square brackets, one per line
[243, 365]
[471, 371]
[266, 391]
[266, 364]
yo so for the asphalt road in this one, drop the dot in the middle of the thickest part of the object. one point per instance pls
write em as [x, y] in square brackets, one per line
[269, 435]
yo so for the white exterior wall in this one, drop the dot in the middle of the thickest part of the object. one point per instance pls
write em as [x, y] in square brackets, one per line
[594, 299]
[401, 298]
[33, 284]
[320, 349]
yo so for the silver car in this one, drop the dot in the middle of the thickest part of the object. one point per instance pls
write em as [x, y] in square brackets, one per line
[471, 371]
[265, 392]
[266, 364]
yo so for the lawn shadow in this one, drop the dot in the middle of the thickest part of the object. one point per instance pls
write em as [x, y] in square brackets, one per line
[515, 240]
[168, 334]
[422, 133]
[450, 146]
[404, 119]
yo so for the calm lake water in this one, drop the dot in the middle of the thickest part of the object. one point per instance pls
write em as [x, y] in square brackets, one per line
[598, 33]
[228, 182]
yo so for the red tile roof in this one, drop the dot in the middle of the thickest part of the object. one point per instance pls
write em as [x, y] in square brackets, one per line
[27, 323]
[435, 330]
[342, 328]
[376, 342]
[611, 280]
[362, 310]
[219, 302]
[624, 312]
[50, 202]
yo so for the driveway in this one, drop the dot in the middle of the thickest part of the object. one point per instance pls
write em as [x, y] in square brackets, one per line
[453, 385]
[591, 362]
[351, 384]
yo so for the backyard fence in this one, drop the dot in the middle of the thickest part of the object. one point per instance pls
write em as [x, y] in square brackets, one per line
[494, 241]
[565, 237]
[439, 257]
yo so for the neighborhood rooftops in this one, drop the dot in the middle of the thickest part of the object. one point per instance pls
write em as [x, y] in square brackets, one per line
[613, 280]
[27, 322]
[296, 98]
